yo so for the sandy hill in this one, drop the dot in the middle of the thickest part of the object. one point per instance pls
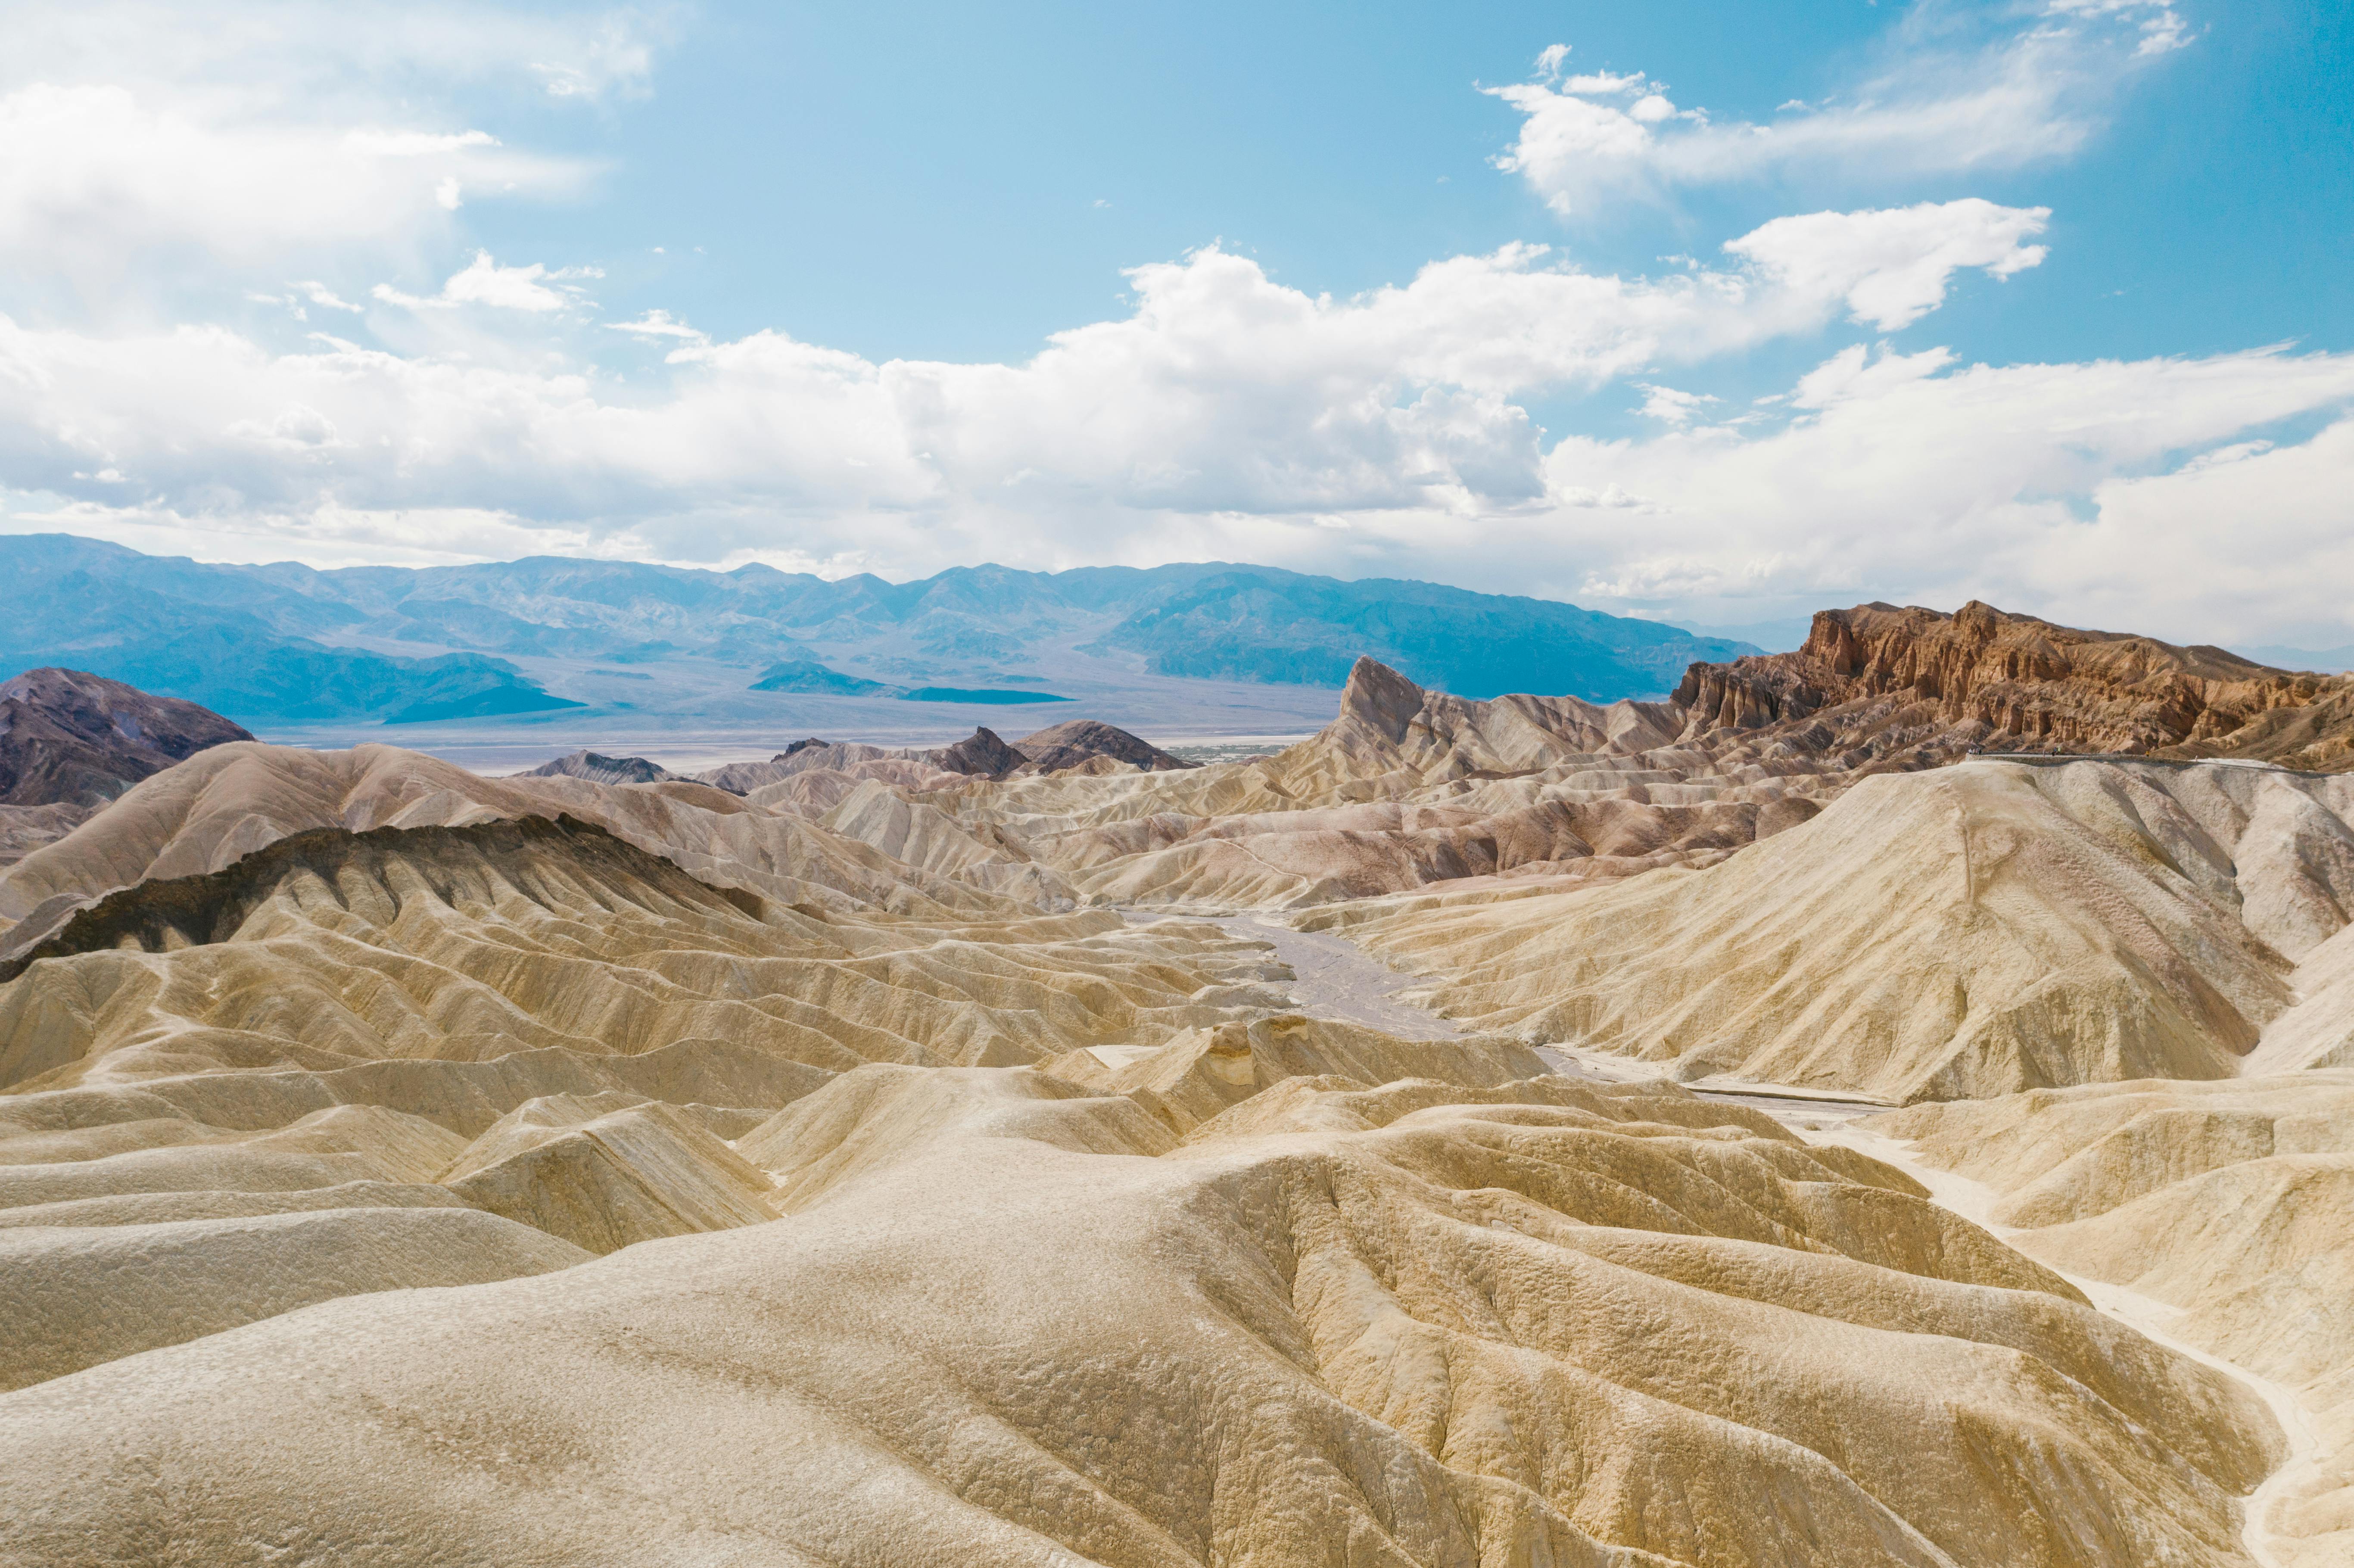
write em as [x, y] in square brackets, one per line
[2233, 1202]
[1012, 1318]
[473, 944]
[1961, 933]
[231, 799]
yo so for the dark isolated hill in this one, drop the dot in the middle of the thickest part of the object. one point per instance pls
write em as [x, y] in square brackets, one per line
[1068, 745]
[599, 768]
[287, 644]
[70, 737]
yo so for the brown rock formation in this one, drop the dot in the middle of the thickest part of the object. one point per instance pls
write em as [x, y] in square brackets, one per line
[67, 736]
[1919, 687]
[983, 752]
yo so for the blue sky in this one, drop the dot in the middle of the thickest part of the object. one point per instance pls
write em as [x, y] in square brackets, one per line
[1708, 311]
[921, 181]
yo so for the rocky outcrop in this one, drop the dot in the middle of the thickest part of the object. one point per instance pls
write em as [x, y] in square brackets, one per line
[1922, 687]
[70, 737]
[984, 753]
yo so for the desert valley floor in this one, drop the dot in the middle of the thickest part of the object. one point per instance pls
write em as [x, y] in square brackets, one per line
[1889, 1103]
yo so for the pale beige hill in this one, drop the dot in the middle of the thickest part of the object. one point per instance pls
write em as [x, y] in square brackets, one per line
[919, 835]
[2233, 1202]
[852, 760]
[1422, 1324]
[602, 1176]
[1205, 1072]
[330, 950]
[228, 801]
[1410, 787]
[1962, 933]
[161, 1208]
[73, 1298]
[2318, 1032]
[242, 1091]
[23, 829]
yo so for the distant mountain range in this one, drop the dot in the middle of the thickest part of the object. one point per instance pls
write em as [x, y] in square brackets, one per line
[286, 644]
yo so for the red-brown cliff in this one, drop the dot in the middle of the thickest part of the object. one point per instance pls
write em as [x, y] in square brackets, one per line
[1917, 687]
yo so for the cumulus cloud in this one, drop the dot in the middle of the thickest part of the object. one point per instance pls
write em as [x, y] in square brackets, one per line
[2037, 93]
[2111, 493]
[1225, 415]
[1221, 391]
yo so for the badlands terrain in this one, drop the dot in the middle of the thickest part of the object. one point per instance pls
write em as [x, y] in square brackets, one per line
[1891, 1102]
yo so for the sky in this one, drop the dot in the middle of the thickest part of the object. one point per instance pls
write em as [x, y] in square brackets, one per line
[1711, 313]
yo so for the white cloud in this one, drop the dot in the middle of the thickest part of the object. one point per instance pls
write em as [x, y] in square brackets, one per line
[1891, 266]
[2117, 493]
[380, 51]
[320, 294]
[1670, 405]
[95, 180]
[2036, 92]
[658, 324]
[532, 289]
[1228, 416]
[144, 147]
[1223, 391]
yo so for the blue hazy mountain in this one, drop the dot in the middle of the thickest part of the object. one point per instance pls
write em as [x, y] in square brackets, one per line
[287, 643]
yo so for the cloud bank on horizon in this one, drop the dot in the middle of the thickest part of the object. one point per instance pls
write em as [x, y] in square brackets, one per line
[152, 173]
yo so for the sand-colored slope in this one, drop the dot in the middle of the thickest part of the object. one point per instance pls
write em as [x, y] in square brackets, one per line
[226, 802]
[252, 1088]
[2233, 1202]
[73, 1298]
[602, 1176]
[468, 945]
[1962, 933]
[1424, 1324]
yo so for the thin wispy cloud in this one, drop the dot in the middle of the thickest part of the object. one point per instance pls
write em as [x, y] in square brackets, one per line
[2035, 92]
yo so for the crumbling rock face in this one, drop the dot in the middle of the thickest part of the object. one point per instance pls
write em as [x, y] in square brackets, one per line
[68, 737]
[1928, 687]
